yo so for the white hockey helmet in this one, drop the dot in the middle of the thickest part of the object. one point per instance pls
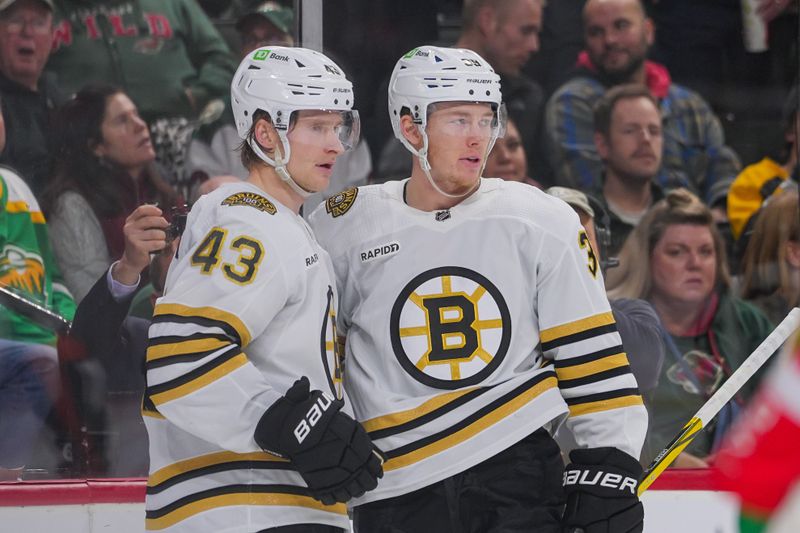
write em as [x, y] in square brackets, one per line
[282, 80]
[430, 74]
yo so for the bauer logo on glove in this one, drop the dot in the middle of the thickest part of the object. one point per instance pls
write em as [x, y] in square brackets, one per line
[312, 417]
[603, 479]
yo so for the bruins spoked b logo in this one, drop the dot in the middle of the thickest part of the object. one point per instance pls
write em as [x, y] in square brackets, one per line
[450, 327]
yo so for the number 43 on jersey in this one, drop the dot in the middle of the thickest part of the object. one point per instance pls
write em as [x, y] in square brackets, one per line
[249, 252]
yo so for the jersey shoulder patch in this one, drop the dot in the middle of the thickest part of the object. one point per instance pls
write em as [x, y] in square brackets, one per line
[250, 199]
[339, 204]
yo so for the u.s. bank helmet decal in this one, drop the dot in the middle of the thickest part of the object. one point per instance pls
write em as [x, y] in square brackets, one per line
[450, 327]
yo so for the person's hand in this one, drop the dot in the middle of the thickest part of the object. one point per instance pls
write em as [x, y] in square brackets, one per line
[770, 9]
[144, 232]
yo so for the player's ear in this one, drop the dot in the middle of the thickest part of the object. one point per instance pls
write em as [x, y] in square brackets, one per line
[265, 134]
[410, 131]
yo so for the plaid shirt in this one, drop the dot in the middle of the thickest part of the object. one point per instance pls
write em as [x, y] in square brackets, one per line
[695, 155]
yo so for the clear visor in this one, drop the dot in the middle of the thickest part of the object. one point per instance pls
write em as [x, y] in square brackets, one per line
[335, 130]
[468, 119]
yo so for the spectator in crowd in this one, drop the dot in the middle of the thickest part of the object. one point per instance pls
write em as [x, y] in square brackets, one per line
[618, 36]
[28, 96]
[102, 170]
[675, 259]
[165, 54]
[507, 159]
[629, 141]
[771, 267]
[757, 182]
[703, 44]
[561, 41]
[29, 377]
[637, 321]
[118, 342]
[506, 33]
[216, 151]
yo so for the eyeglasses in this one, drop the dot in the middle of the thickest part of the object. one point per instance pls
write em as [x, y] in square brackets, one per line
[37, 26]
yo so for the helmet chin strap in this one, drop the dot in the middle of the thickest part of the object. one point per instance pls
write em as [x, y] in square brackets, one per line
[279, 163]
[422, 155]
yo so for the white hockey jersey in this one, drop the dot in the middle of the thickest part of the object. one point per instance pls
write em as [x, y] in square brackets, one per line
[469, 328]
[249, 307]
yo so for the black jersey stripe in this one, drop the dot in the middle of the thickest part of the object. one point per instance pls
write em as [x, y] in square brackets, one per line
[180, 358]
[588, 358]
[226, 362]
[594, 378]
[579, 336]
[476, 417]
[212, 464]
[427, 417]
[228, 495]
[175, 339]
[607, 395]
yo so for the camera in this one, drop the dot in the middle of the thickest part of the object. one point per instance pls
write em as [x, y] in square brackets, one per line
[177, 223]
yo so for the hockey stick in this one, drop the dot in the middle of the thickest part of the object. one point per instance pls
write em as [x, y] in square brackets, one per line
[723, 395]
[33, 311]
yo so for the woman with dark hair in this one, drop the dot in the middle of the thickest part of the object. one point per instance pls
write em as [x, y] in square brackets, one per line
[102, 169]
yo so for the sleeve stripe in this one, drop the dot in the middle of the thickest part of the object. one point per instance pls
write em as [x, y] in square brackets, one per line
[189, 347]
[594, 378]
[607, 395]
[173, 339]
[180, 358]
[204, 316]
[605, 405]
[198, 378]
[579, 336]
[148, 409]
[588, 358]
[571, 328]
[587, 369]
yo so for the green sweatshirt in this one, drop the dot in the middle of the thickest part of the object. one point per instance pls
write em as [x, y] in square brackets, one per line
[27, 265]
[153, 49]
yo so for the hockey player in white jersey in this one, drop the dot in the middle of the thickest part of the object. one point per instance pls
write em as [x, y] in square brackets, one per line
[476, 321]
[248, 427]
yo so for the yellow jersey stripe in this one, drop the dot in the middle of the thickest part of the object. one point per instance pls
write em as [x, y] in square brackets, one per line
[592, 367]
[570, 328]
[159, 351]
[208, 313]
[402, 417]
[164, 474]
[249, 499]
[472, 429]
[187, 388]
[604, 405]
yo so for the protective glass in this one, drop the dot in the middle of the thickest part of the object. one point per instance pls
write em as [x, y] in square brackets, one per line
[468, 119]
[326, 128]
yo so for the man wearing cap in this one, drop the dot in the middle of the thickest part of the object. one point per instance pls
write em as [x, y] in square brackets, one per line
[267, 24]
[26, 31]
[637, 322]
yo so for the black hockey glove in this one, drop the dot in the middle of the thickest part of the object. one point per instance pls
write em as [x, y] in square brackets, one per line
[601, 487]
[328, 448]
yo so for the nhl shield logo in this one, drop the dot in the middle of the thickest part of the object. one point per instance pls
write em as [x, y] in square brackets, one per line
[339, 204]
